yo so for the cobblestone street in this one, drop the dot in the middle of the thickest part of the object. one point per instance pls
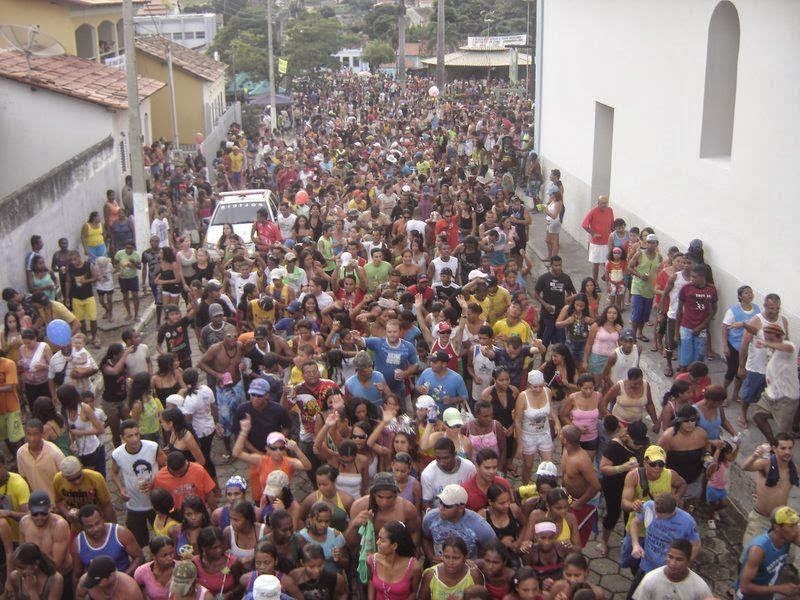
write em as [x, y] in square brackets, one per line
[719, 555]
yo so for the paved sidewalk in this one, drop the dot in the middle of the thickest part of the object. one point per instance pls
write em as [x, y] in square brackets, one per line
[719, 555]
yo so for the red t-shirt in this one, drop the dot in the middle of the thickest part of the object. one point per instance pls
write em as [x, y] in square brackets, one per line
[195, 481]
[600, 223]
[476, 499]
[349, 301]
[696, 303]
[698, 389]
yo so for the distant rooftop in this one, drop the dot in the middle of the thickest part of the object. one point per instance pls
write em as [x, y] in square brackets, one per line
[187, 59]
[73, 76]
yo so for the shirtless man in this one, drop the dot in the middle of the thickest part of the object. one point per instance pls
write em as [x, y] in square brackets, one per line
[102, 581]
[49, 531]
[580, 480]
[223, 357]
[769, 494]
[222, 361]
[382, 505]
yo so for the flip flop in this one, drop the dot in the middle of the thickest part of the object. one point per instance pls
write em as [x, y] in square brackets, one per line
[668, 372]
[644, 338]
[741, 421]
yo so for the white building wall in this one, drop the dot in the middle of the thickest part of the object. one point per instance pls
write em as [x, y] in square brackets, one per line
[58, 127]
[196, 31]
[646, 60]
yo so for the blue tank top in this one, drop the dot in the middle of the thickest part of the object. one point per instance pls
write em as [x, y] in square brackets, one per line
[713, 427]
[112, 548]
[770, 567]
[735, 335]
[225, 517]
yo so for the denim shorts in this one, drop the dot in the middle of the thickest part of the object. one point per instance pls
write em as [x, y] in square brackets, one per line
[715, 495]
[752, 386]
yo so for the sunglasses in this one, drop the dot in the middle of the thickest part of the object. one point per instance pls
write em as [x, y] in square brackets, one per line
[359, 436]
[278, 448]
[658, 464]
[74, 478]
[443, 505]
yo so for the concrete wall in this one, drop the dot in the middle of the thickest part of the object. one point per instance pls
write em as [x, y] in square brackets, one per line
[55, 205]
[54, 124]
[647, 61]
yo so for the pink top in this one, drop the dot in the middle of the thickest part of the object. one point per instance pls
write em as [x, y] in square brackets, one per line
[146, 579]
[397, 590]
[586, 419]
[604, 342]
[717, 480]
[483, 440]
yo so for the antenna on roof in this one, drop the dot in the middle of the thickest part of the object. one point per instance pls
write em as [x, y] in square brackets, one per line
[32, 42]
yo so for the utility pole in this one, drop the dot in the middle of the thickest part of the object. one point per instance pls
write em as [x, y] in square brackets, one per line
[173, 105]
[401, 45]
[440, 45]
[140, 216]
[273, 112]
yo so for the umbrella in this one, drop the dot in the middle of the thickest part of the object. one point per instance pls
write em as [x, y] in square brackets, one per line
[263, 100]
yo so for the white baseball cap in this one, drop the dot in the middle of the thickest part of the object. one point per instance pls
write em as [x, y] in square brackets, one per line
[346, 258]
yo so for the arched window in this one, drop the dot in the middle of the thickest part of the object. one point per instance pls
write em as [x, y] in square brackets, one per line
[719, 101]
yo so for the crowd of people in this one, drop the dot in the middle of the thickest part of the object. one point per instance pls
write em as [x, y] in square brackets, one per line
[412, 414]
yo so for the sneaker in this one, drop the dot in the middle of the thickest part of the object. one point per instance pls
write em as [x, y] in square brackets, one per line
[712, 524]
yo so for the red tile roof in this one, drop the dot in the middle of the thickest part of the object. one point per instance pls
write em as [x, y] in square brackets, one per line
[192, 61]
[73, 76]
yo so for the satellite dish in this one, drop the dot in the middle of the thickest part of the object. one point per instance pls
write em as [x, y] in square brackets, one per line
[31, 41]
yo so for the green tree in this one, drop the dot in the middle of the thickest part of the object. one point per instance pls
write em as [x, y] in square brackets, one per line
[376, 53]
[310, 42]
[242, 42]
[380, 23]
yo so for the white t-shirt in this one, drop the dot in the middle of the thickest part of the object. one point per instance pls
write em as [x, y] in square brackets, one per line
[137, 469]
[285, 224]
[199, 406]
[160, 228]
[439, 264]
[416, 225]
[238, 282]
[433, 479]
[136, 361]
[782, 374]
[656, 585]
[324, 300]
[387, 202]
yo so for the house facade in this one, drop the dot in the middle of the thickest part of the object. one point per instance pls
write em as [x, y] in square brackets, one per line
[687, 114]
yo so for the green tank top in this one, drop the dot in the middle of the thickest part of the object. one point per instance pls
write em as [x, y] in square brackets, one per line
[440, 591]
[62, 441]
[148, 421]
[662, 485]
[647, 266]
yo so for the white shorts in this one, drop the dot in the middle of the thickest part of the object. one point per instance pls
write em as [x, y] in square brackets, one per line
[598, 253]
[536, 442]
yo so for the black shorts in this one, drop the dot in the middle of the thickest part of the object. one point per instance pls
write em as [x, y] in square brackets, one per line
[733, 363]
[130, 284]
[103, 293]
[591, 445]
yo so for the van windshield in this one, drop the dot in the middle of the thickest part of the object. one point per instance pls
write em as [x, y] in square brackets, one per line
[236, 212]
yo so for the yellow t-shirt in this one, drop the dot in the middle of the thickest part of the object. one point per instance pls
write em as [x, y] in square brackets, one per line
[296, 375]
[237, 162]
[497, 305]
[522, 329]
[13, 494]
[259, 314]
[91, 490]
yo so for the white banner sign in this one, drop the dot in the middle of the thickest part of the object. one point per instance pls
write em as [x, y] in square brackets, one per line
[498, 41]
